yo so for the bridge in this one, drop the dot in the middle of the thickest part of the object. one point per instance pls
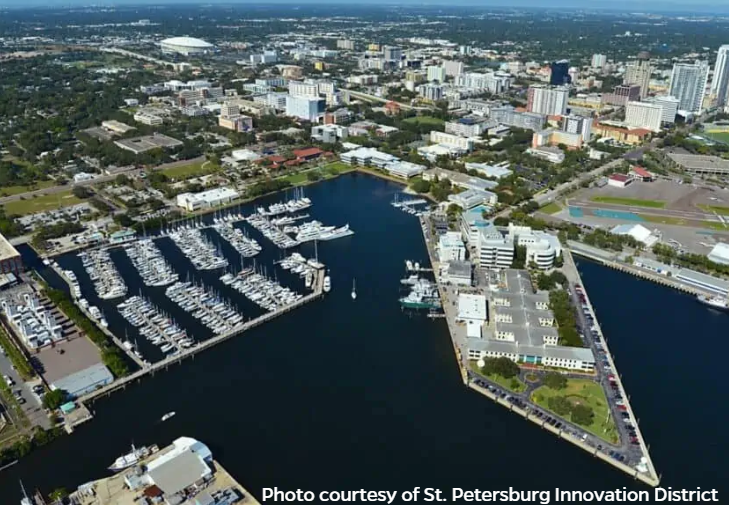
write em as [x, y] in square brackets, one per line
[374, 98]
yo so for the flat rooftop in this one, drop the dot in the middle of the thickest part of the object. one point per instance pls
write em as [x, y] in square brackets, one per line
[7, 251]
[78, 354]
[147, 143]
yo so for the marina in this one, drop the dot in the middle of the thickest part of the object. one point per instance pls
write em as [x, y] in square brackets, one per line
[198, 249]
[204, 304]
[157, 328]
[150, 263]
[246, 246]
[102, 272]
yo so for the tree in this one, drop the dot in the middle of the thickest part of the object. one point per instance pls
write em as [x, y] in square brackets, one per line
[554, 380]
[54, 399]
[559, 261]
[500, 366]
[583, 415]
[559, 405]
[82, 192]
[420, 185]
[121, 180]
[313, 175]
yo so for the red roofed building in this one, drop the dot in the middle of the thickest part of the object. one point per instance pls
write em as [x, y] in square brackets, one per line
[641, 174]
[619, 180]
[307, 154]
[392, 108]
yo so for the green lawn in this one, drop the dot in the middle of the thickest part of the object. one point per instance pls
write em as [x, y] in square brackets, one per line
[632, 202]
[722, 137]
[14, 190]
[501, 381]
[550, 208]
[41, 203]
[188, 171]
[325, 171]
[583, 391]
[427, 120]
[724, 211]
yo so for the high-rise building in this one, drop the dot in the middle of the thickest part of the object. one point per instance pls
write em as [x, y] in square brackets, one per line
[560, 73]
[669, 107]
[432, 92]
[345, 44]
[493, 83]
[598, 61]
[644, 115]
[436, 74]
[299, 88]
[639, 73]
[622, 94]
[578, 124]
[392, 53]
[550, 101]
[688, 84]
[304, 107]
[720, 82]
[453, 68]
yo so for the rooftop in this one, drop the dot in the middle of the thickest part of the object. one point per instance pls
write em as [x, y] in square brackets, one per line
[472, 307]
[7, 251]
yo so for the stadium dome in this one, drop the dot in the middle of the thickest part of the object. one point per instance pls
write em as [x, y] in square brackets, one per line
[186, 45]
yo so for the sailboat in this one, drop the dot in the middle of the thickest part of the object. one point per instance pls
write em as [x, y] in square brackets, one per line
[354, 292]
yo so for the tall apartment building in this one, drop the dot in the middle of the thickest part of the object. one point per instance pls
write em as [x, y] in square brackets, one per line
[579, 125]
[509, 117]
[598, 61]
[720, 82]
[639, 73]
[436, 74]
[391, 53]
[560, 73]
[550, 101]
[453, 68]
[669, 107]
[493, 83]
[688, 84]
[432, 92]
[345, 44]
[644, 115]
[299, 88]
[305, 107]
[622, 94]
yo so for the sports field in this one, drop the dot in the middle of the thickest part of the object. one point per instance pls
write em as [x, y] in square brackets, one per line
[41, 203]
[630, 202]
[722, 137]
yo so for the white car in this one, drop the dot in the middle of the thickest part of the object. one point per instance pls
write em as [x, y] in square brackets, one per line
[10, 382]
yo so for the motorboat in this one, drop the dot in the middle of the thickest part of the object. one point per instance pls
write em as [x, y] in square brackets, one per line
[327, 284]
[168, 415]
[714, 302]
[131, 458]
[354, 291]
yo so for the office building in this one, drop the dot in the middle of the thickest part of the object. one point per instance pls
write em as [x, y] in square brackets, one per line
[510, 117]
[148, 118]
[553, 137]
[622, 94]
[644, 115]
[450, 247]
[598, 61]
[547, 100]
[493, 249]
[446, 139]
[453, 68]
[432, 92]
[237, 123]
[720, 82]
[578, 124]
[550, 154]
[492, 82]
[688, 84]
[436, 74]
[560, 73]
[206, 199]
[392, 53]
[345, 44]
[264, 58]
[469, 126]
[305, 107]
[639, 73]
[329, 133]
[669, 107]
[303, 89]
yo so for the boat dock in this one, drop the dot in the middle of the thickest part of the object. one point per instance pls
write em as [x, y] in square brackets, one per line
[207, 344]
[649, 477]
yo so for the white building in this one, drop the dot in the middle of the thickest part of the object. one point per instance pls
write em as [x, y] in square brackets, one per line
[458, 273]
[688, 84]
[472, 311]
[470, 126]
[492, 82]
[148, 119]
[720, 81]
[638, 232]
[541, 247]
[446, 139]
[496, 172]
[304, 88]
[435, 73]
[578, 124]
[473, 198]
[433, 92]
[453, 68]
[644, 115]
[206, 199]
[450, 247]
[329, 133]
[669, 107]
[598, 61]
[550, 101]
[550, 154]
[493, 249]
[307, 108]
[719, 254]
[368, 156]
[186, 45]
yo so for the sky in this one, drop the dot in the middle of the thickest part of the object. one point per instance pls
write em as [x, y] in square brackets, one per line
[699, 7]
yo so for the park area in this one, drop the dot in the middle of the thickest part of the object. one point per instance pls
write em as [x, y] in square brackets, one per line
[582, 393]
[15, 190]
[42, 203]
[631, 202]
[196, 169]
[722, 137]
[318, 173]
[424, 120]
[550, 208]
[513, 384]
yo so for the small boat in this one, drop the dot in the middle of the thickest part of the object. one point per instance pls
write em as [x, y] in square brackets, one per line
[354, 291]
[714, 302]
[327, 284]
[168, 415]
[130, 459]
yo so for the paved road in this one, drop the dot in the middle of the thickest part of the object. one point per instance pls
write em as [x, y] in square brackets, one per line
[32, 407]
[97, 180]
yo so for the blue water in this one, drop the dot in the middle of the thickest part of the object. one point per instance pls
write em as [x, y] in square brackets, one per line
[576, 212]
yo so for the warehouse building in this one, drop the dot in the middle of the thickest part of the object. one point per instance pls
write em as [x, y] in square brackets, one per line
[206, 199]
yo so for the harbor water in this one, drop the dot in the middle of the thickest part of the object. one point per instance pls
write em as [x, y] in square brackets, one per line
[345, 394]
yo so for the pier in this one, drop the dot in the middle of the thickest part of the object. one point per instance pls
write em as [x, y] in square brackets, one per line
[207, 344]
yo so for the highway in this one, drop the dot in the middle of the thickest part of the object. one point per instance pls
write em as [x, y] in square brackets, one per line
[374, 98]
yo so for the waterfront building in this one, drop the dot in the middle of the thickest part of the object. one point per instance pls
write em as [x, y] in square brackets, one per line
[473, 312]
[639, 73]
[644, 115]
[450, 247]
[459, 179]
[720, 81]
[719, 254]
[688, 84]
[493, 249]
[459, 273]
[206, 199]
[368, 156]
[560, 73]
[549, 101]
[31, 321]
[10, 260]
[473, 198]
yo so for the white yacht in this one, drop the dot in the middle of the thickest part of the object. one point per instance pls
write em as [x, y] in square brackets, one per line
[354, 291]
[131, 458]
[714, 302]
[327, 284]
[343, 231]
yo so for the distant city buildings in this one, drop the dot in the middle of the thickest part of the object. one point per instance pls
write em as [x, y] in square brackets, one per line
[560, 73]
[644, 115]
[508, 116]
[622, 94]
[688, 84]
[578, 124]
[550, 101]
[492, 82]
[639, 73]
[346, 44]
[305, 107]
[598, 61]
[437, 74]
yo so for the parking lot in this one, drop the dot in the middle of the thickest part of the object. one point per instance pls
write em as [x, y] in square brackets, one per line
[29, 401]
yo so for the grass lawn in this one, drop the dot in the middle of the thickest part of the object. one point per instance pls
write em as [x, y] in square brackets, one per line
[722, 137]
[664, 220]
[501, 381]
[632, 202]
[325, 171]
[188, 171]
[14, 190]
[551, 208]
[41, 203]
[427, 120]
[723, 211]
[583, 391]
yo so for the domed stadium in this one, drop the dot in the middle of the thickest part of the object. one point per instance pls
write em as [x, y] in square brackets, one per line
[186, 46]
